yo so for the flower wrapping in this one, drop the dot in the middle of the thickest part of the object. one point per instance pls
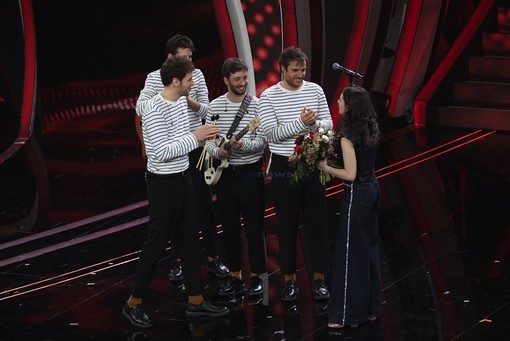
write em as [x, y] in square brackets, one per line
[310, 148]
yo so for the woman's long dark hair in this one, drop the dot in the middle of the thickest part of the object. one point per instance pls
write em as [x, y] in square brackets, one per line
[360, 115]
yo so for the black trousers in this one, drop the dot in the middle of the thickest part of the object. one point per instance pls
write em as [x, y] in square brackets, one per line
[355, 274]
[307, 197]
[240, 192]
[207, 221]
[172, 212]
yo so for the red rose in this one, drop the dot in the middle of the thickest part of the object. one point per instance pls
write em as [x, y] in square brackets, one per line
[297, 149]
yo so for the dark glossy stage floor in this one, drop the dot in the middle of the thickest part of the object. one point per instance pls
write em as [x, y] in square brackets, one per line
[445, 242]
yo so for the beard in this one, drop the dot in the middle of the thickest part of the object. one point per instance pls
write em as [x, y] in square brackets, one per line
[294, 83]
[237, 92]
[185, 92]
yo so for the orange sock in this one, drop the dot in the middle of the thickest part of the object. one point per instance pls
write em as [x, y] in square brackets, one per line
[133, 301]
[236, 274]
[290, 277]
[318, 275]
[195, 299]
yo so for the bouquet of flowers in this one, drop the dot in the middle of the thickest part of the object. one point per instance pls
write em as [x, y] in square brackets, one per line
[310, 148]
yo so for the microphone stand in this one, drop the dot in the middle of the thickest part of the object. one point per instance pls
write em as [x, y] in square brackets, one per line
[351, 80]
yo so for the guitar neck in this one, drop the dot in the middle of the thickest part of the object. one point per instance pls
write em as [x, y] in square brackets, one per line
[237, 136]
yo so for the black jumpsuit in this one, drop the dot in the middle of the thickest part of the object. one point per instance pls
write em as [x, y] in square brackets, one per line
[355, 273]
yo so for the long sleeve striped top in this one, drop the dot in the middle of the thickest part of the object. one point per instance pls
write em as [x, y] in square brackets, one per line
[199, 92]
[253, 143]
[167, 136]
[280, 110]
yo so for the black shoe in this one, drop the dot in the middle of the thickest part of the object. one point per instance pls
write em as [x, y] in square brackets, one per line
[256, 287]
[182, 289]
[217, 267]
[205, 309]
[136, 316]
[319, 289]
[176, 273]
[231, 287]
[290, 292]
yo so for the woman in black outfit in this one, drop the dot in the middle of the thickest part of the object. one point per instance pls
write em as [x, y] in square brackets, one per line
[355, 273]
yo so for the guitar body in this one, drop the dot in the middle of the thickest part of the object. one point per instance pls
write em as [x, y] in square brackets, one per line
[212, 173]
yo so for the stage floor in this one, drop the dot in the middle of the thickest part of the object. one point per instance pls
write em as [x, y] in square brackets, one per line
[74, 217]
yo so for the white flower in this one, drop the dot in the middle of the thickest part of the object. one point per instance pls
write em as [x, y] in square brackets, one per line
[325, 138]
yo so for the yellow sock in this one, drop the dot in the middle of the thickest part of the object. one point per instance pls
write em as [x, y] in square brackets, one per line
[133, 301]
[236, 274]
[290, 277]
[210, 259]
[318, 275]
[195, 299]
[254, 275]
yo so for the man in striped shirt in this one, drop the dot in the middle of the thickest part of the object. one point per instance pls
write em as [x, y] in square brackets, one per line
[286, 109]
[197, 102]
[240, 189]
[168, 140]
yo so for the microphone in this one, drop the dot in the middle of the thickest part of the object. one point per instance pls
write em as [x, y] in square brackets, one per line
[350, 73]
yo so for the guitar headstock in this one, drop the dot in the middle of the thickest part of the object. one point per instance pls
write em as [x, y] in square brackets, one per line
[254, 124]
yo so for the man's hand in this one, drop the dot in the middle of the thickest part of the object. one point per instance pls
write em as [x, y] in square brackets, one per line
[236, 144]
[308, 116]
[223, 153]
[206, 132]
[192, 104]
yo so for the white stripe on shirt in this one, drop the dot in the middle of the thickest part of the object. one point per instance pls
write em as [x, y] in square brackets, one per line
[280, 111]
[166, 135]
[198, 92]
[253, 143]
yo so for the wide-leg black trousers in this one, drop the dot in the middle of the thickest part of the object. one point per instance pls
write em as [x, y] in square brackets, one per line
[355, 273]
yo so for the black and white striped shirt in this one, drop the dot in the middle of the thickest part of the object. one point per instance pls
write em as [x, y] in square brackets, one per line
[167, 136]
[253, 143]
[280, 110]
[199, 92]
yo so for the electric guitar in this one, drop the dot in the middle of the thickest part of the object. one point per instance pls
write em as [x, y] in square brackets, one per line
[211, 174]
